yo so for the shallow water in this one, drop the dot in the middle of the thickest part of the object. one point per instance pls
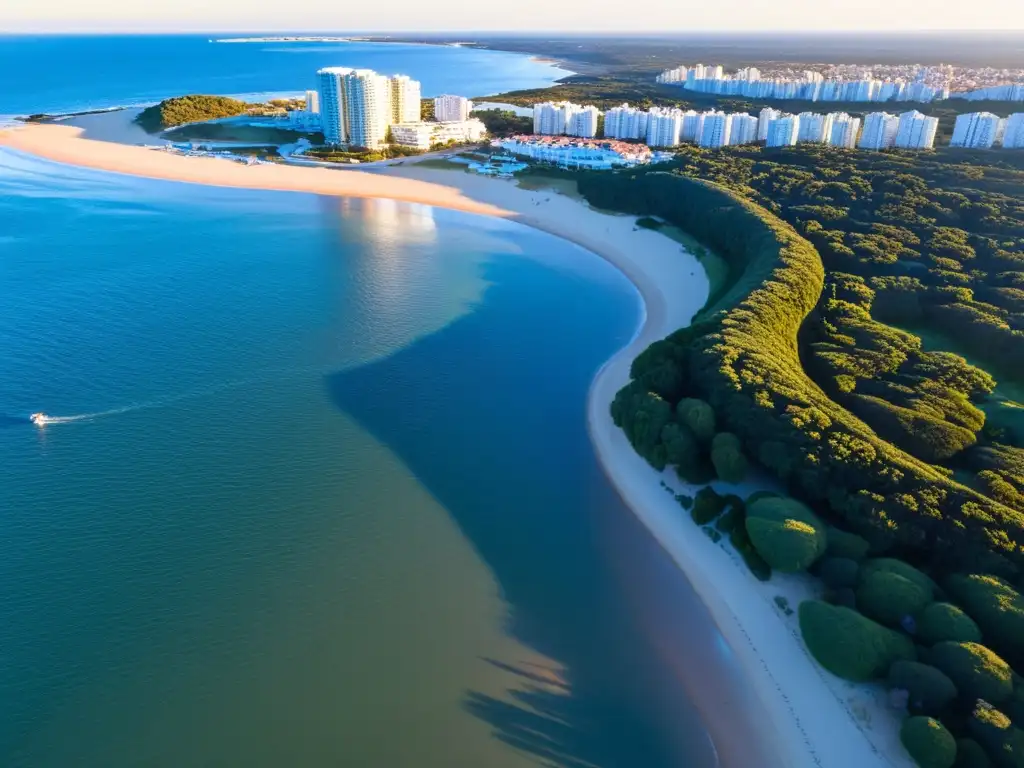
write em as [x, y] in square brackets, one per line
[333, 501]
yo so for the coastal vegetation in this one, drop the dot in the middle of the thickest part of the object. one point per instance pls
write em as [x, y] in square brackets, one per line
[905, 493]
[189, 109]
[503, 122]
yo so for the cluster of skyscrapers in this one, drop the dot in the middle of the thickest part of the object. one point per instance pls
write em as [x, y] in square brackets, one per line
[811, 87]
[360, 108]
[565, 118]
[983, 130]
[1008, 92]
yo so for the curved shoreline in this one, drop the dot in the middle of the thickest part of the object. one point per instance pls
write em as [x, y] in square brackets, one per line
[657, 267]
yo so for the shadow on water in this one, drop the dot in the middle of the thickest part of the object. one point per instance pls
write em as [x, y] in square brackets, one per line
[7, 420]
[489, 414]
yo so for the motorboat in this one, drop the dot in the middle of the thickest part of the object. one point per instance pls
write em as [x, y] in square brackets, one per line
[39, 419]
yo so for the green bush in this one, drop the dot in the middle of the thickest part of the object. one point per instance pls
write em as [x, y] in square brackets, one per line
[943, 621]
[969, 754]
[839, 572]
[698, 416]
[1003, 743]
[977, 672]
[847, 545]
[730, 519]
[727, 457]
[686, 502]
[850, 645]
[741, 543]
[929, 690]
[188, 109]
[998, 609]
[900, 568]
[890, 598]
[928, 742]
[708, 506]
[785, 533]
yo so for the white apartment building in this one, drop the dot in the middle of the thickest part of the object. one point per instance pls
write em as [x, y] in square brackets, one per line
[553, 118]
[715, 130]
[405, 99]
[879, 131]
[664, 127]
[783, 131]
[583, 123]
[692, 127]
[767, 115]
[452, 109]
[313, 102]
[357, 105]
[625, 122]
[743, 129]
[1013, 133]
[331, 88]
[977, 130]
[814, 127]
[916, 131]
[425, 135]
[844, 130]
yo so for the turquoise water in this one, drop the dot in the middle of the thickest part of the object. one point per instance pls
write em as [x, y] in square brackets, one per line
[326, 496]
[79, 72]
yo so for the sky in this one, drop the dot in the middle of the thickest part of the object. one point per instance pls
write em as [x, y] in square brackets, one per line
[521, 15]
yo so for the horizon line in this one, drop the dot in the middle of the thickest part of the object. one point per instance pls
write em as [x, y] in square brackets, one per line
[514, 32]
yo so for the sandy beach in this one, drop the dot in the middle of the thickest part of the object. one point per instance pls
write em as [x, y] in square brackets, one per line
[803, 715]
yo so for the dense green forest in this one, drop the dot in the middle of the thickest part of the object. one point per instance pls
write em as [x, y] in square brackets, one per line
[503, 122]
[904, 465]
[188, 109]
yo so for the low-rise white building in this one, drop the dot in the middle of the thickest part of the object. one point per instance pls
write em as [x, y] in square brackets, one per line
[977, 130]
[1013, 133]
[426, 135]
[844, 130]
[879, 131]
[583, 154]
[916, 131]
[783, 131]
[452, 109]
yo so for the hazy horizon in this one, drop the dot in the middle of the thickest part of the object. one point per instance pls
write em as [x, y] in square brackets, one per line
[324, 16]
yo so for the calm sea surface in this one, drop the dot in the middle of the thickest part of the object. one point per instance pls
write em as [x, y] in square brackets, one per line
[324, 494]
[69, 73]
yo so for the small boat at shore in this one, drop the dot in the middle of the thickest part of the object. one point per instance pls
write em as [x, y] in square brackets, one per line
[39, 419]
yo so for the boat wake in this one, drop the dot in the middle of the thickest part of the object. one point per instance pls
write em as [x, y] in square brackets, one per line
[43, 420]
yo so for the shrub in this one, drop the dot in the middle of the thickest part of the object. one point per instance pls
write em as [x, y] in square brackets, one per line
[942, 621]
[900, 568]
[849, 645]
[839, 572]
[928, 689]
[889, 598]
[741, 542]
[928, 742]
[727, 457]
[730, 520]
[844, 544]
[1003, 743]
[686, 502]
[969, 754]
[977, 672]
[698, 416]
[997, 608]
[708, 506]
[785, 533]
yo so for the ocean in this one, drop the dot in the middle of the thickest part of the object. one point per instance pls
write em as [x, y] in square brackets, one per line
[320, 490]
[69, 73]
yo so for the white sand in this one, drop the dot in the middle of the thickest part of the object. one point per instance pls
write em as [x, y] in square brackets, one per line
[813, 718]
